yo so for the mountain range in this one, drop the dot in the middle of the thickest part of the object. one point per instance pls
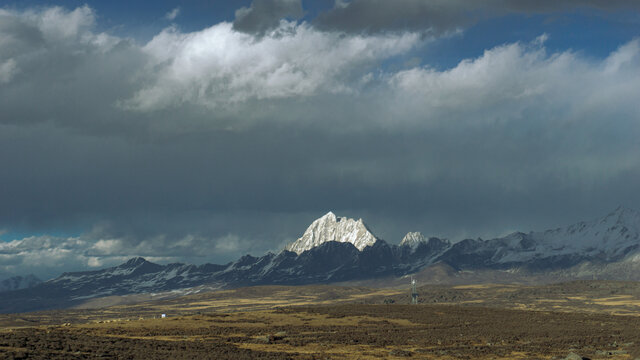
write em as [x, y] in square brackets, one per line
[338, 249]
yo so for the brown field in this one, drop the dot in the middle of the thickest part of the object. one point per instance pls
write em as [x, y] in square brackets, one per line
[331, 322]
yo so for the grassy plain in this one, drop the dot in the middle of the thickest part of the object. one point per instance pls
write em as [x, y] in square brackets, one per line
[595, 319]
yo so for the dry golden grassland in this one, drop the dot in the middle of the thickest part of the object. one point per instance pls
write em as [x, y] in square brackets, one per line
[317, 322]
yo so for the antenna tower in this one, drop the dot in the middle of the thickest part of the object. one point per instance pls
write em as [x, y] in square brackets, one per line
[414, 291]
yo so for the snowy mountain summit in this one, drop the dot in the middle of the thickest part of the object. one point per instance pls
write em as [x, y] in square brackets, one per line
[413, 239]
[611, 237]
[333, 228]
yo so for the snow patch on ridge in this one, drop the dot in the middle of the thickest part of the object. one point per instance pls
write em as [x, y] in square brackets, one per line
[609, 238]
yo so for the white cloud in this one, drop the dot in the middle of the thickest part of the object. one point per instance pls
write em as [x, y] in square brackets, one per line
[173, 14]
[57, 24]
[35, 253]
[94, 262]
[33, 35]
[219, 66]
[627, 57]
[7, 70]
[509, 82]
[107, 247]
[541, 40]
[520, 89]
[48, 256]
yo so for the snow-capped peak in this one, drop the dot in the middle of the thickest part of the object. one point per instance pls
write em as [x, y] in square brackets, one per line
[333, 228]
[611, 234]
[413, 239]
[610, 237]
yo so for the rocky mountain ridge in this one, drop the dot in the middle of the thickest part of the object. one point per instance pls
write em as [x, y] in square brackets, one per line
[331, 251]
[332, 228]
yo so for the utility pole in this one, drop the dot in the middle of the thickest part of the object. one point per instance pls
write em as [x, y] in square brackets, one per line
[414, 291]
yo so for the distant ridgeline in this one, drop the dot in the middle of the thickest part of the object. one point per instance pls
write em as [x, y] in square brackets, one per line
[336, 249]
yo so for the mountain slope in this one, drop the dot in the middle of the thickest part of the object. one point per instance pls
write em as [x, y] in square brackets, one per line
[609, 239]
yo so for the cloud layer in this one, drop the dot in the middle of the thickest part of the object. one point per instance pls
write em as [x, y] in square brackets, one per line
[201, 146]
[219, 66]
[48, 256]
[437, 17]
[265, 15]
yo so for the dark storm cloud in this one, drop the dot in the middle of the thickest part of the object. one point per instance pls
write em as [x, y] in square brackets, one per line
[18, 36]
[440, 16]
[402, 15]
[63, 73]
[265, 15]
[179, 151]
[555, 5]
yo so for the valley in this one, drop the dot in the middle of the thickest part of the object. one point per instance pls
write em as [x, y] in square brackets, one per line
[594, 319]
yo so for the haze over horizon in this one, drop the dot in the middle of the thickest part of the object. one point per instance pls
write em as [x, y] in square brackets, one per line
[200, 131]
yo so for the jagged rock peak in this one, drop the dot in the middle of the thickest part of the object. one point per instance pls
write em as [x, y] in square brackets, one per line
[134, 262]
[333, 228]
[413, 239]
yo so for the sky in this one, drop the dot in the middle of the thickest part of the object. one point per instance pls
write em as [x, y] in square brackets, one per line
[199, 131]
